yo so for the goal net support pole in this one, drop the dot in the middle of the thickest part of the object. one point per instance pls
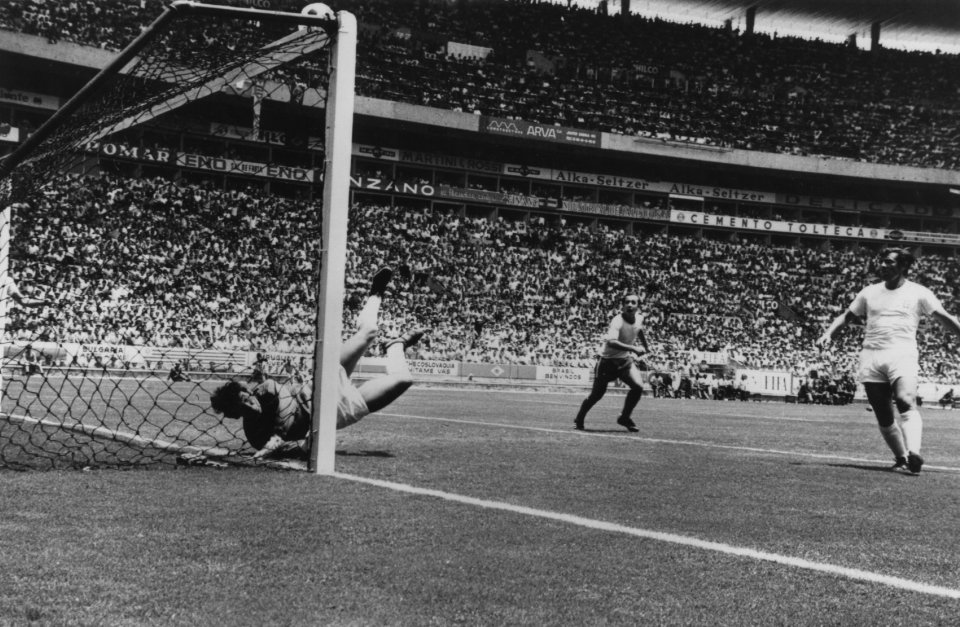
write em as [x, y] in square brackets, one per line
[4, 273]
[336, 205]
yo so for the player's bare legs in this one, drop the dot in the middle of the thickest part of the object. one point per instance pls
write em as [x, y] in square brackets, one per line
[881, 398]
[596, 393]
[368, 322]
[633, 379]
[910, 421]
[356, 345]
[380, 392]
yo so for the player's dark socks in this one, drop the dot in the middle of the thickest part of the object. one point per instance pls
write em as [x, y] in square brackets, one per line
[380, 281]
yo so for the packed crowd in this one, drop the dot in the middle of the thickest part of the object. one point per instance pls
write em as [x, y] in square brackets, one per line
[151, 262]
[556, 65]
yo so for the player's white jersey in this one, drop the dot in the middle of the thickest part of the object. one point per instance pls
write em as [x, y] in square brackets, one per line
[893, 316]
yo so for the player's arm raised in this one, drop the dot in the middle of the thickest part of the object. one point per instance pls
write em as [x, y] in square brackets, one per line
[946, 320]
[847, 317]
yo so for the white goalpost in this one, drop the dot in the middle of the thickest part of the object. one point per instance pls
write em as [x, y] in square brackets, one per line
[336, 206]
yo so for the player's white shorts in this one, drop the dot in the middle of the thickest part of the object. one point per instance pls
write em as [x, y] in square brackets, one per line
[351, 407]
[888, 365]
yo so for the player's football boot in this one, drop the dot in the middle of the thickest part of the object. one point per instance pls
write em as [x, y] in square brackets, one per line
[625, 421]
[380, 281]
[900, 465]
[578, 425]
[408, 339]
[914, 463]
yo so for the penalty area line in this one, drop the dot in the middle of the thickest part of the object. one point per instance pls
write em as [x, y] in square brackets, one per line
[855, 574]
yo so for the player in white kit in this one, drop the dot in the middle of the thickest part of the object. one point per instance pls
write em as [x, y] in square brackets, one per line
[890, 360]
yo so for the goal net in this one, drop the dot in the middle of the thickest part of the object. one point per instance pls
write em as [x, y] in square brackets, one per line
[178, 224]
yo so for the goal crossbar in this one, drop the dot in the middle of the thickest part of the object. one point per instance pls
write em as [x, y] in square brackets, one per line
[123, 59]
[270, 60]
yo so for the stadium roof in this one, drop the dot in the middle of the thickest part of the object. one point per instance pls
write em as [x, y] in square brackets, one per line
[905, 24]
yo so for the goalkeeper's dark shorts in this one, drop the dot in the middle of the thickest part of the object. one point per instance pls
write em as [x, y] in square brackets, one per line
[612, 368]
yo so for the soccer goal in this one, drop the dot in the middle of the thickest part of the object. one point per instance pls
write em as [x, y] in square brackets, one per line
[179, 223]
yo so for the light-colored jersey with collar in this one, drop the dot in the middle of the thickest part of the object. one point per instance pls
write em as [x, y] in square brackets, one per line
[892, 317]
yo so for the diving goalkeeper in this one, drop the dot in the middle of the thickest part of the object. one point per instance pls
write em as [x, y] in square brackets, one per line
[274, 414]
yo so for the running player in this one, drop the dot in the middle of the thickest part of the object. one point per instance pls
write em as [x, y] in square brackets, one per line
[889, 359]
[274, 413]
[617, 362]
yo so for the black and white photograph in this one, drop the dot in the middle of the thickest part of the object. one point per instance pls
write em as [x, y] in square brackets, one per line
[479, 312]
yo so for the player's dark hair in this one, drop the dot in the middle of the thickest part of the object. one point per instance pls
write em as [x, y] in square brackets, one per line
[226, 399]
[905, 258]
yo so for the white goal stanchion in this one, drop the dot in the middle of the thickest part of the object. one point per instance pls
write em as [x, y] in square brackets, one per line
[336, 205]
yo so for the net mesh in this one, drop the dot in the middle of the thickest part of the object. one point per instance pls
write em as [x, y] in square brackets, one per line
[170, 227]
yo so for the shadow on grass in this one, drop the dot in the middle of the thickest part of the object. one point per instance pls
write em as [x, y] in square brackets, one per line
[364, 454]
[871, 468]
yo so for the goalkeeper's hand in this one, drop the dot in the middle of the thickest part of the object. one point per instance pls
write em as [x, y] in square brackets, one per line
[272, 444]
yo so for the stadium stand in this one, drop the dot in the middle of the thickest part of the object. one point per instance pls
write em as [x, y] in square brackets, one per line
[546, 63]
[498, 290]
[494, 291]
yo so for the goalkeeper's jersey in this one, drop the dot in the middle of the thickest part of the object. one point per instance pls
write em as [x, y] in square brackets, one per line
[282, 412]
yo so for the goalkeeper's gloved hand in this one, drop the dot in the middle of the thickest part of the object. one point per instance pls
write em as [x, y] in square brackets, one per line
[272, 444]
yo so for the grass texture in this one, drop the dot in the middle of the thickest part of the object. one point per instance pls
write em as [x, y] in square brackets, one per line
[524, 538]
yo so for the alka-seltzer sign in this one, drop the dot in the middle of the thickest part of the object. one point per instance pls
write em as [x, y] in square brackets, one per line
[545, 132]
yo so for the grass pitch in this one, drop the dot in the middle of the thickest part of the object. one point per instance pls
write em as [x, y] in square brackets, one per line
[478, 507]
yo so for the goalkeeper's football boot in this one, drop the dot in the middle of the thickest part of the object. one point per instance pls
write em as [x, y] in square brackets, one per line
[408, 339]
[625, 421]
[914, 463]
[380, 281]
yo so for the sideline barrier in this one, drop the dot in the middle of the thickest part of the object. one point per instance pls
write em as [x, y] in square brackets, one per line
[224, 363]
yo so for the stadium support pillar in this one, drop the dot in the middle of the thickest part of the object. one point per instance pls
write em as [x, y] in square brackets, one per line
[875, 36]
[751, 19]
[625, 8]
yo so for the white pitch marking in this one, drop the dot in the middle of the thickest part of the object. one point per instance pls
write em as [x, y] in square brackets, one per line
[635, 438]
[718, 547]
